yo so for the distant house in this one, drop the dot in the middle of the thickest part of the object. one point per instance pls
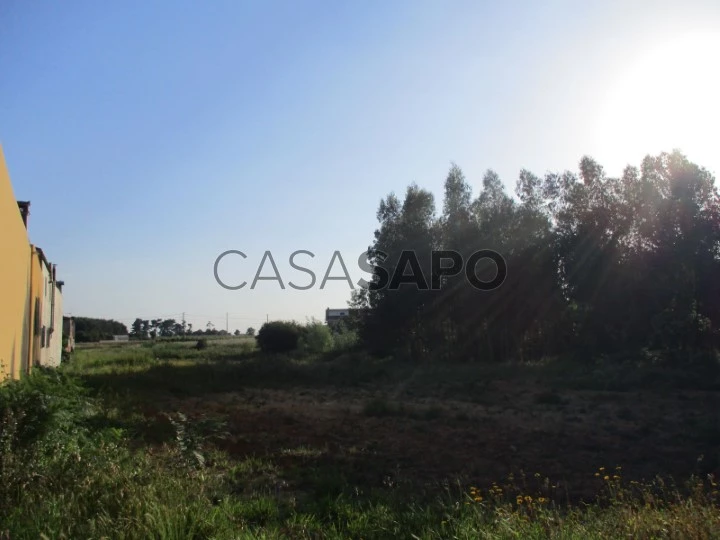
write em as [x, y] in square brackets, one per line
[334, 316]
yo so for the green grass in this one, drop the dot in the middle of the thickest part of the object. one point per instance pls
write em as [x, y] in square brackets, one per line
[98, 449]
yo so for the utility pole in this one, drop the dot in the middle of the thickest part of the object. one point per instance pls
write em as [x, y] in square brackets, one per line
[267, 317]
[226, 322]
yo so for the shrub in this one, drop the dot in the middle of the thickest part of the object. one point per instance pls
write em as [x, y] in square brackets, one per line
[279, 336]
[44, 401]
[316, 338]
[201, 344]
[344, 337]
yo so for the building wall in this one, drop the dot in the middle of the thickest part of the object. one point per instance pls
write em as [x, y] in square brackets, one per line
[14, 278]
[50, 332]
[56, 335]
[47, 314]
[51, 318]
[37, 295]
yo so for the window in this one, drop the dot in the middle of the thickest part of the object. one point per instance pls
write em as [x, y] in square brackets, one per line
[36, 319]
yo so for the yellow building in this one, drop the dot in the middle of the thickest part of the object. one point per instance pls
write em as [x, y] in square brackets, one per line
[30, 294]
[38, 286]
[15, 271]
[46, 314]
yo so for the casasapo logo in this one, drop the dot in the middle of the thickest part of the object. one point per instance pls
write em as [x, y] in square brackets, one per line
[407, 271]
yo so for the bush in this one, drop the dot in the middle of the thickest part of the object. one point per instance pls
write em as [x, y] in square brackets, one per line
[39, 403]
[201, 344]
[279, 336]
[67, 471]
[316, 338]
[344, 337]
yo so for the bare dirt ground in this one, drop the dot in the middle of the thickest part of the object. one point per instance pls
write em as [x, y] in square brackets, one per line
[385, 435]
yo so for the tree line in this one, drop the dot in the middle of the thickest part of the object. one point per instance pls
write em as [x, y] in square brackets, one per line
[88, 329]
[595, 265]
[154, 328]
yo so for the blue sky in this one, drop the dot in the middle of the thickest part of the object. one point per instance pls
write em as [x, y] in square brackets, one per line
[153, 136]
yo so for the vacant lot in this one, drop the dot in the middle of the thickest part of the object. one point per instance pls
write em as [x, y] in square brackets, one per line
[302, 433]
[377, 421]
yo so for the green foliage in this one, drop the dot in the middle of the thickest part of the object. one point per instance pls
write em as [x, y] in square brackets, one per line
[316, 338]
[279, 336]
[344, 337]
[32, 407]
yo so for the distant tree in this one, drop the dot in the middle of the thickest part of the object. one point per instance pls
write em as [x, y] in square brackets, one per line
[237, 332]
[155, 327]
[403, 243]
[168, 327]
[179, 329]
[137, 329]
[88, 329]
[250, 331]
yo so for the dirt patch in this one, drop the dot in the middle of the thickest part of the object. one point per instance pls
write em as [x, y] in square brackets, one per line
[427, 441]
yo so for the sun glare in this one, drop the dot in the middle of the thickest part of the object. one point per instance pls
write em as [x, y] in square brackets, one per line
[667, 97]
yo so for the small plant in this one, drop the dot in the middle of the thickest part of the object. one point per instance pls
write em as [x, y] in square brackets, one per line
[188, 440]
[201, 344]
